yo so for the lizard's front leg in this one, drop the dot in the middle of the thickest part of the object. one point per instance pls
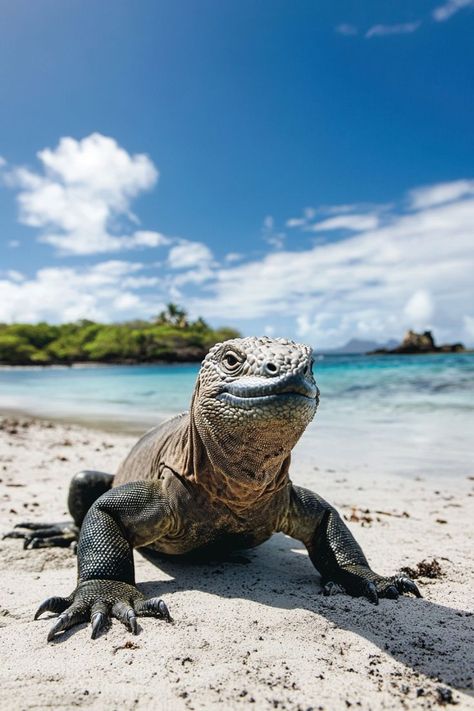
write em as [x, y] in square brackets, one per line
[335, 552]
[134, 514]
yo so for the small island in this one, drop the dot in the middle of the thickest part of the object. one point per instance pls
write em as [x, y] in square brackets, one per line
[169, 338]
[419, 343]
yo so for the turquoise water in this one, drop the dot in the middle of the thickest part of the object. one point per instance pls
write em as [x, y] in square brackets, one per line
[409, 407]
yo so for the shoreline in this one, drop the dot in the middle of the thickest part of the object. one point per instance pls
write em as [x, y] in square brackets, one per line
[253, 632]
[106, 424]
[176, 363]
[83, 365]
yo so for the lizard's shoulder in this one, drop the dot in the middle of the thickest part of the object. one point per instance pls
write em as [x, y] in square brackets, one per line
[162, 444]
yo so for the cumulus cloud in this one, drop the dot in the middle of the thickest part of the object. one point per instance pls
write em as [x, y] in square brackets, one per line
[375, 283]
[450, 8]
[354, 223]
[419, 309]
[440, 193]
[106, 291]
[403, 28]
[187, 254]
[81, 199]
[407, 265]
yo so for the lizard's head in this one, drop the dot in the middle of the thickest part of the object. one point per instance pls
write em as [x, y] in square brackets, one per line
[258, 393]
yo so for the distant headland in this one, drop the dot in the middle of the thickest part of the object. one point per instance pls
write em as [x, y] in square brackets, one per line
[419, 343]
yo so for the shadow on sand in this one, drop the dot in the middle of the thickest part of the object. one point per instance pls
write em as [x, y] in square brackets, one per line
[279, 574]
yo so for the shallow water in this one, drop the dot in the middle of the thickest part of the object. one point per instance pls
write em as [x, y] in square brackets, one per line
[405, 413]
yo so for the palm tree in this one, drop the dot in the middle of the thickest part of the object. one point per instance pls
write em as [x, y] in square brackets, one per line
[173, 315]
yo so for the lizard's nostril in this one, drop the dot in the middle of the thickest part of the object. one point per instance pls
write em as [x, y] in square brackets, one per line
[271, 368]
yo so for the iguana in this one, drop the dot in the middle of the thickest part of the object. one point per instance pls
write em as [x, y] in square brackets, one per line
[214, 478]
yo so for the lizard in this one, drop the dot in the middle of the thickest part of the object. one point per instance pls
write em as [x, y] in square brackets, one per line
[215, 478]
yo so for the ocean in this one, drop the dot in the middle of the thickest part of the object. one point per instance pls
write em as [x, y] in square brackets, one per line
[403, 414]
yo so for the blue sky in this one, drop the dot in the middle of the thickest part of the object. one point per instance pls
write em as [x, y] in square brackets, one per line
[295, 169]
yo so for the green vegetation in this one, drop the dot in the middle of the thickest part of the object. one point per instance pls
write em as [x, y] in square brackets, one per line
[170, 337]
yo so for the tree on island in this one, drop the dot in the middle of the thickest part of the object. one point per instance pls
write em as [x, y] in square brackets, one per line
[173, 315]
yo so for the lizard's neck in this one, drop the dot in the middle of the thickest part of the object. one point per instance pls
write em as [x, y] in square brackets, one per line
[243, 472]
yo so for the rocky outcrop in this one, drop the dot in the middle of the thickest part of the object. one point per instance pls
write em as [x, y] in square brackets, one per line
[419, 343]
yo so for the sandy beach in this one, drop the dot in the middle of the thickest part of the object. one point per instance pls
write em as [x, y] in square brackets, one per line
[252, 632]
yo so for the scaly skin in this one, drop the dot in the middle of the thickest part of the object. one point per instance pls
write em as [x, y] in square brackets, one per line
[216, 478]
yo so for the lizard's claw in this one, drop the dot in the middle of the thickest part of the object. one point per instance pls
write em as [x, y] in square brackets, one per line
[405, 585]
[153, 607]
[371, 593]
[389, 588]
[53, 604]
[363, 582]
[99, 600]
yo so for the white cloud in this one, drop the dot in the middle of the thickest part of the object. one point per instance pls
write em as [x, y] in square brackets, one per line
[81, 200]
[145, 238]
[187, 255]
[276, 239]
[233, 257]
[355, 223]
[14, 243]
[469, 327]
[397, 268]
[415, 268]
[15, 275]
[440, 193]
[293, 222]
[347, 29]
[309, 213]
[398, 29]
[451, 7]
[419, 309]
[105, 291]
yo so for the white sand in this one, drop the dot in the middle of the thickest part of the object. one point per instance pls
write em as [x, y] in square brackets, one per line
[253, 633]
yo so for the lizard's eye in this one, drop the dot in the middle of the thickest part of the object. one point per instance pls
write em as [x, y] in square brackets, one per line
[231, 361]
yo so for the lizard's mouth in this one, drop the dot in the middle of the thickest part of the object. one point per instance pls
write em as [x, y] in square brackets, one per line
[250, 392]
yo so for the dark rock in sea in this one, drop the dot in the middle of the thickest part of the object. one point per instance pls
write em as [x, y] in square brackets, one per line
[414, 343]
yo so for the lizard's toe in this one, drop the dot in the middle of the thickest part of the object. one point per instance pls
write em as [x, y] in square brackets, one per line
[153, 607]
[100, 617]
[74, 615]
[53, 604]
[392, 588]
[126, 614]
[391, 592]
[371, 593]
[99, 622]
[406, 585]
[44, 535]
[98, 601]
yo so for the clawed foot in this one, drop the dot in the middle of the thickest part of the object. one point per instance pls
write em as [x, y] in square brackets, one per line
[373, 586]
[45, 535]
[98, 601]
